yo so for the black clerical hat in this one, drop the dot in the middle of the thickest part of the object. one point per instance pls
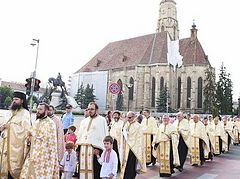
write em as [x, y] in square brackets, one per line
[21, 95]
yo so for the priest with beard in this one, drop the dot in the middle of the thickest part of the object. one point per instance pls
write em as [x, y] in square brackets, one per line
[13, 145]
[228, 127]
[150, 127]
[92, 131]
[199, 142]
[220, 139]
[42, 161]
[59, 132]
[131, 150]
[115, 132]
[183, 129]
[236, 130]
[166, 146]
[210, 134]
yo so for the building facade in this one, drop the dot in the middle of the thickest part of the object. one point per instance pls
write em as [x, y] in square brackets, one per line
[143, 65]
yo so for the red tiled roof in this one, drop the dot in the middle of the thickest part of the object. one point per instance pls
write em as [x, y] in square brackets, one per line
[18, 86]
[192, 52]
[135, 51]
[130, 52]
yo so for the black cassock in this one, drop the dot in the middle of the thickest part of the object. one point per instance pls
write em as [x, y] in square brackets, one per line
[182, 151]
[202, 158]
[115, 148]
[153, 159]
[130, 171]
[229, 141]
[96, 165]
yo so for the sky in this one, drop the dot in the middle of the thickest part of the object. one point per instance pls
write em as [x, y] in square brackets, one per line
[72, 32]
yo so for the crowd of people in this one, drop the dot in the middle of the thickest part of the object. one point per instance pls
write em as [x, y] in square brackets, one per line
[115, 146]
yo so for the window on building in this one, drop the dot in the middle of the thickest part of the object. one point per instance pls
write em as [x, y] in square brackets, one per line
[120, 84]
[179, 93]
[200, 90]
[153, 91]
[189, 86]
[119, 102]
[131, 89]
[161, 83]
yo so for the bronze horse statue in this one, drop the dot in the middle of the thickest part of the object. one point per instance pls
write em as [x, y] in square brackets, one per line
[58, 82]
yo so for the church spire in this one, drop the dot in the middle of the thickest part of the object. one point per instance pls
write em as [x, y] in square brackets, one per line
[167, 20]
[194, 31]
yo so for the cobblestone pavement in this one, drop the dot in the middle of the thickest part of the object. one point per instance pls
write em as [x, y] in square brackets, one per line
[225, 166]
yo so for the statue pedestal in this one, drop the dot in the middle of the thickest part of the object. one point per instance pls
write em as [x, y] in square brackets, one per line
[56, 100]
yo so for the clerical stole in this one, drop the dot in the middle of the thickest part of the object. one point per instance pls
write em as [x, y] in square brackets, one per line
[195, 151]
[126, 150]
[217, 145]
[164, 157]
[86, 161]
[147, 147]
[236, 136]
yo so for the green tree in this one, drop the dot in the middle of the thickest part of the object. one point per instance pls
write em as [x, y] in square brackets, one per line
[34, 99]
[79, 97]
[5, 92]
[119, 102]
[88, 96]
[224, 92]
[7, 101]
[209, 91]
[162, 100]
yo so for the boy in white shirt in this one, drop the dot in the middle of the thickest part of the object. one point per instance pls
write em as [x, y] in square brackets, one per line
[69, 161]
[108, 159]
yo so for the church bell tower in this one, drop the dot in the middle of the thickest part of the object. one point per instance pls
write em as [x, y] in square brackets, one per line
[167, 20]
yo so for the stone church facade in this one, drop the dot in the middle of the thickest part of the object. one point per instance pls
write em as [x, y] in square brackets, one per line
[143, 65]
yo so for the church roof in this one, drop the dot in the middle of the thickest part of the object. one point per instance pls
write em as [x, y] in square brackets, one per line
[138, 50]
[192, 52]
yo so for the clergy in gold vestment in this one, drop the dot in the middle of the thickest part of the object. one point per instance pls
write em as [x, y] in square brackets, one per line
[219, 136]
[42, 161]
[13, 145]
[59, 131]
[211, 138]
[166, 146]
[183, 129]
[92, 131]
[199, 141]
[116, 126]
[228, 127]
[236, 130]
[131, 151]
[150, 127]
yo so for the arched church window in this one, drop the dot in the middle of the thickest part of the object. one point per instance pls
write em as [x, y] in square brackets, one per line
[120, 84]
[131, 89]
[179, 93]
[189, 86]
[162, 28]
[119, 102]
[200, 90]
[161, 83]
[174, 33]
[153, 91]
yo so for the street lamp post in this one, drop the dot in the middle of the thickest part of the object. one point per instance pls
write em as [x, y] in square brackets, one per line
[238, 106]
[34, 42]
[129, 86]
